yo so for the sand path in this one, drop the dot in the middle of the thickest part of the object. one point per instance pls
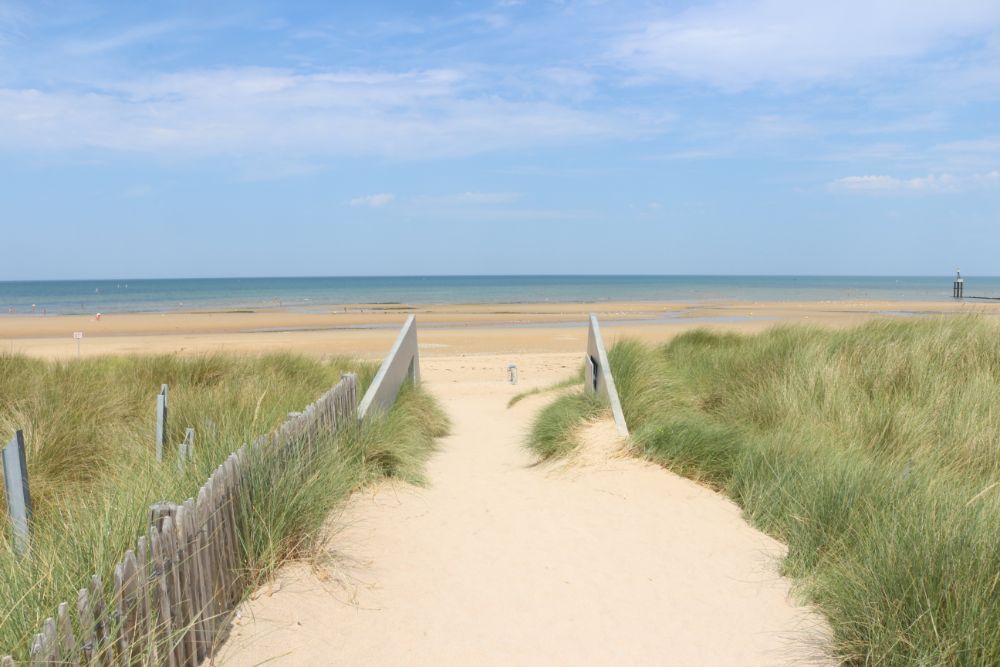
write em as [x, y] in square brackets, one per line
[608, 561]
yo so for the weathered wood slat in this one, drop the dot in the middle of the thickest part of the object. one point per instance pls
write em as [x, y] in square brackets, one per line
[201, 623]
[163, 626]
[51, 652]
[130, 609]
[214, 493]
[231, 532]
[88, 636]
[178, 625]
[118, 609]
[144, 628]
[67, 642]
[36, 655]
[209, 566]
[184, 589]
[103, 650]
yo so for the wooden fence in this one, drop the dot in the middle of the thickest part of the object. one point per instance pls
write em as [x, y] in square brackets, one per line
[172, 596]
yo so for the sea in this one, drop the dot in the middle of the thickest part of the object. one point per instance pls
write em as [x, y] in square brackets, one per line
[308, 294]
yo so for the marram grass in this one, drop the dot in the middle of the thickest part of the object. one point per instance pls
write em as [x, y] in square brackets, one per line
[89, 432]
[873, 452]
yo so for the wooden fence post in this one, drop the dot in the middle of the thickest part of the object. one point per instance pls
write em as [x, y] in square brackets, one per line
[161, 421]
[15, 477]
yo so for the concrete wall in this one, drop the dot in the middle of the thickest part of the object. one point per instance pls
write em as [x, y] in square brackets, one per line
[597, 374]
[402, 363]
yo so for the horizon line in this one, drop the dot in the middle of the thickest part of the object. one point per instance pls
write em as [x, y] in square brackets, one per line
[504, 275]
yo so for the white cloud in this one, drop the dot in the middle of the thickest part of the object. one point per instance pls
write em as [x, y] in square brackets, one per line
[736, 45]
[374, 201]
[931, 183]
[241, 111]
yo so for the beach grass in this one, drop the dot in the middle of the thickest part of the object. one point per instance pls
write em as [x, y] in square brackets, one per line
[567, 382]
[873, 452]
[89, 431]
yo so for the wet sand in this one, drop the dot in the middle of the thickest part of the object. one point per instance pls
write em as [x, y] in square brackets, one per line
[369, 330]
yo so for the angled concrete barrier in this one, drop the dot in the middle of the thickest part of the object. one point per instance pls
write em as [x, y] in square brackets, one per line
[598, 374]
[402, 363]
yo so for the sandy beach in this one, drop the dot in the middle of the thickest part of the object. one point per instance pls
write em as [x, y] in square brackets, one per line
[368, 330]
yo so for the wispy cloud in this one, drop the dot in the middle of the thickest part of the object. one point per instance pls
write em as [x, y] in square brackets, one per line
[933, 183]
[471, 199]
[737, 45]
[133, 35]
[12, 19]
[413, 114]
[374, 201]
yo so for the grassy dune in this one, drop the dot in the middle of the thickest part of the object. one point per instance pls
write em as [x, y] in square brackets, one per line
[91, 458]
[874, 453]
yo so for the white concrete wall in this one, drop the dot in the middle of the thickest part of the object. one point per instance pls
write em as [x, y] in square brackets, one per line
[402, 363]
[597, 374]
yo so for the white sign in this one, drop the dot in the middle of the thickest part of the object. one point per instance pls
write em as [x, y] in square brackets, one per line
[78, 335]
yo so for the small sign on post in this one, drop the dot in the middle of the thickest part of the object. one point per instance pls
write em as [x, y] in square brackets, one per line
[161, 421]
[512, 373]
[15, 477]
[78, 335]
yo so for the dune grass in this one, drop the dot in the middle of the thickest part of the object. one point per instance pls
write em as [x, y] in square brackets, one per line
[91, 457]
[566, 383]
[553, 433]
[874, 453]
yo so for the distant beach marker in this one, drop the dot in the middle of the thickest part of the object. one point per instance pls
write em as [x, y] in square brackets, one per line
[512, 373]
[78, 336]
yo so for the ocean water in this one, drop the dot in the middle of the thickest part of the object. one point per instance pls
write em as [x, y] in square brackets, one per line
[108, 296]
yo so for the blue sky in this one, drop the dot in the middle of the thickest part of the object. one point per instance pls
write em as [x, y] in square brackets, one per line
[756, 136]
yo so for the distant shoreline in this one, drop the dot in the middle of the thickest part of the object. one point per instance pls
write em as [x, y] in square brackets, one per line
[317, 295]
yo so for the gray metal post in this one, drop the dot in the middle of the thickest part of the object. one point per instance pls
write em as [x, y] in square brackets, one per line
[15, 477]
[161, 421]
[185, 451]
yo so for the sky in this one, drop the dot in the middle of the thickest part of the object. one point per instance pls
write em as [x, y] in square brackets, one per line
[188, 139]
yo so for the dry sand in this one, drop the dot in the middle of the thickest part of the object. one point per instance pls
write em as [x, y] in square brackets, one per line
[368, 331]
[607, 561]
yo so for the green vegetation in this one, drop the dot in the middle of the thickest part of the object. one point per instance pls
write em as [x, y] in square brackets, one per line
[554, 432]
[566, 383]
[89, 430]
[874, 453]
